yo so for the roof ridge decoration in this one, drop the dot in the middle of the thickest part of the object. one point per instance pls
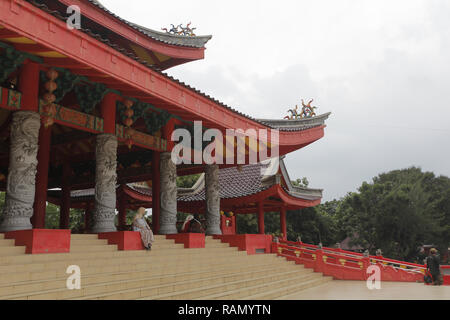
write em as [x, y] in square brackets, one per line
[180, 30]
[167, 38]
[296, 124]
[306, 112]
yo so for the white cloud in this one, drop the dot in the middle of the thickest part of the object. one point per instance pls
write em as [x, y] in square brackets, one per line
[381, 67]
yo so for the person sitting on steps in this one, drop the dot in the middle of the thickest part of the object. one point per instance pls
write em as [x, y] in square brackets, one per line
[139, 224]
[195, 225]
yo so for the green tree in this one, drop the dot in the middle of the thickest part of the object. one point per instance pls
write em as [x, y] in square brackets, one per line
[398, 212]
[187, 181]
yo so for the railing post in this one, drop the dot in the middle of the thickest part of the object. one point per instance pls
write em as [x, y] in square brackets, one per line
[365, 264]
[318, 265]
[274, 247]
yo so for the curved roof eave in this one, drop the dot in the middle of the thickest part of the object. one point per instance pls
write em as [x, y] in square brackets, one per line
[167, 38]
[296, 125]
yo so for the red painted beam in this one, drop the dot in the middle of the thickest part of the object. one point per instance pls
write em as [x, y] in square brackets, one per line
[49, 31]
[34, 24]
[131, 34]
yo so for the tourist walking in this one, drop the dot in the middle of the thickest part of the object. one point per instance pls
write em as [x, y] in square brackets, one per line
[139, 224]
[433, 266]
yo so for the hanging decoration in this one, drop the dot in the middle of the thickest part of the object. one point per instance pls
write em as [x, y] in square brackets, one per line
[154, 118]
[128, 122]
[49, 109]
[66, 82]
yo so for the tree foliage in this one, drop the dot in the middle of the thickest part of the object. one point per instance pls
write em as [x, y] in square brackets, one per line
[398, 212]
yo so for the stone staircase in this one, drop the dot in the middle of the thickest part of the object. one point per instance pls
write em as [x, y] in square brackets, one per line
[167, 272]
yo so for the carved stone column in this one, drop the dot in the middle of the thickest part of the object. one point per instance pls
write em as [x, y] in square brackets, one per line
[20, 188]
[212, 200]
[168, 214]
[105, 184]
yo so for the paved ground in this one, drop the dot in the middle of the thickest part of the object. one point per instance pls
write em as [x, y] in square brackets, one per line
[357, 290]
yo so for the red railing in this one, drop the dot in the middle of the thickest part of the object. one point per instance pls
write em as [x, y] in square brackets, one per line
[346, 265]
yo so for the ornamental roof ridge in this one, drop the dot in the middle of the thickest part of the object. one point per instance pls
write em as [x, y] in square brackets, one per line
[167, 38]
[296, 124]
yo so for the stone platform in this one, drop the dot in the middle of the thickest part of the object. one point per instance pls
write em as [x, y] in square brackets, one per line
[357, 290]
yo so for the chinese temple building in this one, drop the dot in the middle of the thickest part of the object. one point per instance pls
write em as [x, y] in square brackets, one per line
[73, 101]
[89, 120]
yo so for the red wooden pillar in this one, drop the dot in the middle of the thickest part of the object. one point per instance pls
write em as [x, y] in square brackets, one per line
[156, 199]
[261, 217]
[122, 212]
[64, 218]
[29, 86]
[167, 134]
[108, 111]
[40, 198]
[283, 222]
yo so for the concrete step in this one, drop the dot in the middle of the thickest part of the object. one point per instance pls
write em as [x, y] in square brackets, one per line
[286, 291]
[124, 257]
[7, 242]
[168, 271]
[168, 290]
[20, 258]
[159, 268]
[83, 236]
[93, 248]
[58, 269]
[211, 287]
[87, 242]
[50, 294]
[271, 282]
[216, 245]
[167, 245]
[149, 277]
[11, 251]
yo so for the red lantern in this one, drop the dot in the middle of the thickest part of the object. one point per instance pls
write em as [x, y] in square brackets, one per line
[128, 122]
[129, 113]
[52, 74]
[51, 86]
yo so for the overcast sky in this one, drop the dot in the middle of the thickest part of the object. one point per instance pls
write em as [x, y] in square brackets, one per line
[381, 67]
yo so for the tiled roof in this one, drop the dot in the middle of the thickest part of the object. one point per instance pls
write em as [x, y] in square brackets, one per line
[282, 125]
[296, 125]
[167, 38]
[233, 183]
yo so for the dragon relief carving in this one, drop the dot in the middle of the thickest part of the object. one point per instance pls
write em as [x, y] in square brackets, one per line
[105, 183]
[20, 187]
[168, 194]
[212, 199]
